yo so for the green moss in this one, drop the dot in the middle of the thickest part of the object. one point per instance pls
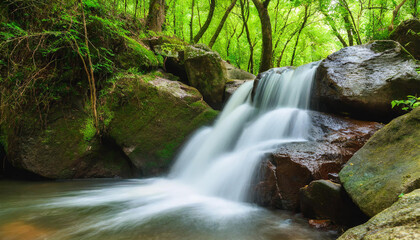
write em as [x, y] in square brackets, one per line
[378, 173]
[153, 121]
[88, 130]
[136, 56]
[168, 150]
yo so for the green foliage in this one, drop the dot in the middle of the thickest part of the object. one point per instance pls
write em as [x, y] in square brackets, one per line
[11, 30]
[407, 105]
[88, 130]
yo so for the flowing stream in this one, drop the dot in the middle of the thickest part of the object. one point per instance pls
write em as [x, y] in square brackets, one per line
[205, 194]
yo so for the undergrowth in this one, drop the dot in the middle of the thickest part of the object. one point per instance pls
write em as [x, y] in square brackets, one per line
[41, 45]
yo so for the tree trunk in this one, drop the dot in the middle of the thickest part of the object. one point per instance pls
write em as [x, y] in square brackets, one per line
[353, 25]
[395, 13]
[348, 27]
[248, 37]
[156, 16]
[135, 9]
[207, 23]
[285, 24]
[89, 73]
[222, 22]
[229, 40]
[331, 22]
[305, 18]
[267, 44]
[191, 21]
[284, 48]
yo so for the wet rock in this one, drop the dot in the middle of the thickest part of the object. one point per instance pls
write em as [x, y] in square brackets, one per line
[323, 199]
[399, 221]
[363, 80]
[152, 116]
[281, 179]
[408, 35]
[388, 165]
[292, 166]
[207, 73]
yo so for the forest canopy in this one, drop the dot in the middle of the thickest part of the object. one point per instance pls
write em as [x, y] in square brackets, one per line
[294, 32]
[302, 30]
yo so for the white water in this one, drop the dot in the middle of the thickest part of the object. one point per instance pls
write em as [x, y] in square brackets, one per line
[221, 160]
[207, 187]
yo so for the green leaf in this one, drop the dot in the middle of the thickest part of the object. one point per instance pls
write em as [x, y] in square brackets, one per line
[393, 103]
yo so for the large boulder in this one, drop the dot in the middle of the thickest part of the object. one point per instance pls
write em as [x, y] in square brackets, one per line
[152, 116]
[65, 148]
[234, 73]
[236, 77]
[400, 221]
[323, 199]
[206, 72]
[292, 166]
[408, 35]
[363, 80]
[388, 165]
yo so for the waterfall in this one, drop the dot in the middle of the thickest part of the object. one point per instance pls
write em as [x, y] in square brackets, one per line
[221, 160]
[204, 196]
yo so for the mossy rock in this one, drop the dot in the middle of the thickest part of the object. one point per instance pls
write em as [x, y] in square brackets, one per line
[388, 165]
[400, 221]
[152, 118]
[408, 35]
[206, 72]
[136, 56]
[64, 149]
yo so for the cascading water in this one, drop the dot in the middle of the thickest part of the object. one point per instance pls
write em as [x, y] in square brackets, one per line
[221, 160]
[203, 196]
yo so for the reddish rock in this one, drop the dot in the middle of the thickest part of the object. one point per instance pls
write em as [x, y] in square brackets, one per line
[319, 224]
[292, 166]
[282, 180]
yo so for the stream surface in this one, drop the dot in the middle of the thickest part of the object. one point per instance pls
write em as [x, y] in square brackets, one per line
[136, 210]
